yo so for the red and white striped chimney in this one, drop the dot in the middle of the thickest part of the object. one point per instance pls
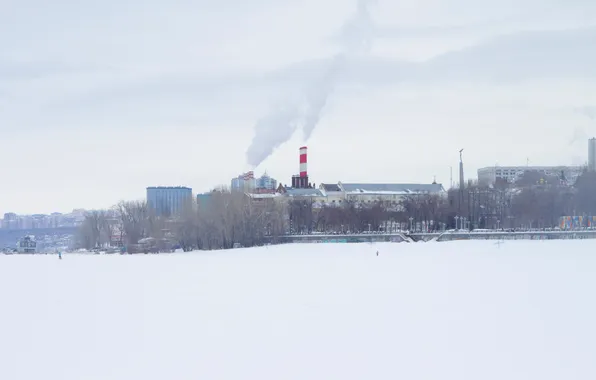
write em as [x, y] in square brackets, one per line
[303, 161]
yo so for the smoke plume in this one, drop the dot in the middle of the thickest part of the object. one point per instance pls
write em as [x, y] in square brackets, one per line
[285, 118]
[589, 111]
[579, 134]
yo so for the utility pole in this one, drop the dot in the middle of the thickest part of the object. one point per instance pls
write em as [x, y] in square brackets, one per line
[461, 179]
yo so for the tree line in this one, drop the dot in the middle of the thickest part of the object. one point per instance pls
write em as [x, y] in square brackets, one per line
[228, 220]
[232, 219]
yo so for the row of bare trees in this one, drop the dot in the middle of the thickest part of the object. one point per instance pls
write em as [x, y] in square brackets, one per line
[124, 224]
[228, 220]
[305, 216]
[234, 219]
[532, 202]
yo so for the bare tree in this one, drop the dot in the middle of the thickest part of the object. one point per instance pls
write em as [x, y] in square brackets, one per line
[134, 216]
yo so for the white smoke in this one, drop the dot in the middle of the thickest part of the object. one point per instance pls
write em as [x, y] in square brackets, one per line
[588, 111]
[579, 134]
[305, 112]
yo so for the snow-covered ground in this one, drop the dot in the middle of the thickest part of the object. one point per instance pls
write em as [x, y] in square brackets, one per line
[462, 310]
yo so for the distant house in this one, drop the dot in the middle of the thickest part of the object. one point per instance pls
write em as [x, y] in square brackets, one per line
[27, 244]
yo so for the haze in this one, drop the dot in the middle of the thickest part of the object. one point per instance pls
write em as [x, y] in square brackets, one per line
[100, 99]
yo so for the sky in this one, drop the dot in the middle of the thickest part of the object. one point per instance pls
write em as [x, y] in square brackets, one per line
[99, 100]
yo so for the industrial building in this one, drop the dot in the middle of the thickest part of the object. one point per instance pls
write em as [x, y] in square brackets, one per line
[300, 181]
[336, 194]
[361, 193]
[168, 201]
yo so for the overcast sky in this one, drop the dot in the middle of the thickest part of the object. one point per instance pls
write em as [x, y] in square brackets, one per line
[100, 99]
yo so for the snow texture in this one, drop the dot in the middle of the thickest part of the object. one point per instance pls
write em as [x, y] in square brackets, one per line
[459, 310]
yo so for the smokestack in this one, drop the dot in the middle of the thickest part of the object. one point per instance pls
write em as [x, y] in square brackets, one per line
[303, 162]
[592, 154]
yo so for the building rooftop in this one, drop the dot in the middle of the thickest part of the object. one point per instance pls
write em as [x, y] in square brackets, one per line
[530, 168]
[262, 195]
[392, 188]
[330, 187]
[168, 188]
[291, 192]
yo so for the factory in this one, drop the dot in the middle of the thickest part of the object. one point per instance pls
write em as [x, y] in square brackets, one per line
[337, 194]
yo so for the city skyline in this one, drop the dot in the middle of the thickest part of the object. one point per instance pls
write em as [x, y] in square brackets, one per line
[105, 105]
[470, 174]
[14, 221]
[266, 182]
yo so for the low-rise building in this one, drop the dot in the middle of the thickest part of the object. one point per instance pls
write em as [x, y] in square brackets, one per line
[27, 244]
[264, 199]
[334, 195]
[316, 196]
[488, 176]
[387, 192]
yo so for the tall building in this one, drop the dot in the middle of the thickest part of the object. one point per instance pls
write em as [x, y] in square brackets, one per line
[265, 182]
[245, 182]
[592, 154]
[10, 221]
[168, 201]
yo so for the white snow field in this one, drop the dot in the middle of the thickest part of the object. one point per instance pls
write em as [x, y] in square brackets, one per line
[444, 311]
